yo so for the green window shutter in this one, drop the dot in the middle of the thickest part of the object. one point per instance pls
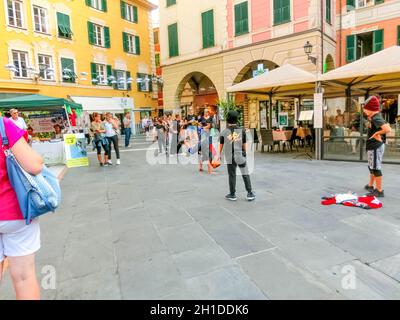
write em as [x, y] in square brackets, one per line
[398, 35]
[139, 84]
[125, 41]
[137, 44]
[90, 32]
[135, 14]
[107, 39]
[328, 11]
[277, 12]
[129, 85]
[378, 40]
[109, 74]
[88, 3]
[123, 10]
[207, 19]
[64, 25]
[93, 72]
[173, 40]
[115, 85]
[351, 48]
[157, 57]
[245, 17]
[285, 11]
[68, 64]
[104, 5]
[379, 1]
[171, 2]
[241, 18]
[351, 4]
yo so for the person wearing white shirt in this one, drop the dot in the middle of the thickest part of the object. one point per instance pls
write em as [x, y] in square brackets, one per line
[112, 125]
[18, 121]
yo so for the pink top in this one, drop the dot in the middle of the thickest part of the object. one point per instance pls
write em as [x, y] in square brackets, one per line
[9, 207]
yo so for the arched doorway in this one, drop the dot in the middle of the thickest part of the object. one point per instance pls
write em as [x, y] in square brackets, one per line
[254, 108]
[329, 64]
[196, 92]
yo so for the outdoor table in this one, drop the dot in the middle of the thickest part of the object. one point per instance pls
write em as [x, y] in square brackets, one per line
[279, 135]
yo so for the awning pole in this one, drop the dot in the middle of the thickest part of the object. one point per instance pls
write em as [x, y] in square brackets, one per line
[318, 131]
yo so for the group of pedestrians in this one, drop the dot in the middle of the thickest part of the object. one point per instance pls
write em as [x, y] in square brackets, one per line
[105, 137]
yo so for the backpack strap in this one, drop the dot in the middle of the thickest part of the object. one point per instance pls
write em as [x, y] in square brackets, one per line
[4, 138]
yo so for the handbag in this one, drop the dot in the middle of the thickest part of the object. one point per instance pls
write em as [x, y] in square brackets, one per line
[37, 195]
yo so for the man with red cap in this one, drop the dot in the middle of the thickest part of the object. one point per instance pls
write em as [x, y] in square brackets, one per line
[377, 130]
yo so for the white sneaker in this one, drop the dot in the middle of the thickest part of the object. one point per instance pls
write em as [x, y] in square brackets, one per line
[118, 162]
[109, 162]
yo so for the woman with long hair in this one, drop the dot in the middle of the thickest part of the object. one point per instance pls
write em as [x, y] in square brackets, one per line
[100, 140]
[112, 125]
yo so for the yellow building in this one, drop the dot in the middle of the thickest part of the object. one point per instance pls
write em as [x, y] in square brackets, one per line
[87, 50]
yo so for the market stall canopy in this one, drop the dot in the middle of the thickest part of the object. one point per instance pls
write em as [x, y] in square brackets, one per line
[100, 104]
[377, 72]
[35, 102]
[285, 80]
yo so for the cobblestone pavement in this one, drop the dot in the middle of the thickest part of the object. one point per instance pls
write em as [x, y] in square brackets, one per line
[138, 231]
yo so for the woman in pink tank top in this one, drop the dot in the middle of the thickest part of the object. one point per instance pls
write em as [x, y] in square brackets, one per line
[18, 242]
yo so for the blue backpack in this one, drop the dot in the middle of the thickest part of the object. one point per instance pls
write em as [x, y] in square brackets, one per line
[36, 195]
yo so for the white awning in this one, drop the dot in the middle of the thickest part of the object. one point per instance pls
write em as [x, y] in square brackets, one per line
[283, 79]
[100, 104]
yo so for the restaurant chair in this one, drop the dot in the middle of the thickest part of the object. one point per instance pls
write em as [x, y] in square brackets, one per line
[267, 139]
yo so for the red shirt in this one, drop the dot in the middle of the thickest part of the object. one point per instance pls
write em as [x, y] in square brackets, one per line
[9, 207]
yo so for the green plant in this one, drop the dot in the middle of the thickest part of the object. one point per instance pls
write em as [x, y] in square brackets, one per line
[227, 105]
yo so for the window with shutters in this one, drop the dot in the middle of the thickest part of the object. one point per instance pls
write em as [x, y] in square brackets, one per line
[131, 43]
[68, 70]
[121, 78]
[98, 32]
[101, 72]
[15, 13]
[241, 18]
[364, 44]
[129, 12]
[328, 11]
[40, 19]
[98, 4]
[20, 61]
[207, 19]
[64, 26]
[281, 11]
[398, 35]
[171, 2]
[173, 40]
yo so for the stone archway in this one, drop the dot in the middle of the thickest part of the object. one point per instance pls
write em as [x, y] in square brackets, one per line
[196, 90]
[254, 68]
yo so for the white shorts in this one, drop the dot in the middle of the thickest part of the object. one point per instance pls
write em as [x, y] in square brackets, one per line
[17, 239]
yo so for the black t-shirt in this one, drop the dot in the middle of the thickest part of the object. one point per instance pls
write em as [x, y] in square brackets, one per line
[233, 138]
[376, 125]
[191, 118]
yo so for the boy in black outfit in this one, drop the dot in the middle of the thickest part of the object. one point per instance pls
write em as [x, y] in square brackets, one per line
[233, 138]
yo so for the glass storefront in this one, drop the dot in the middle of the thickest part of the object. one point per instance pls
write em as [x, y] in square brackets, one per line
[345, 129]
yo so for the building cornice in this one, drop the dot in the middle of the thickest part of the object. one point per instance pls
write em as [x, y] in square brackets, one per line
[144, 3]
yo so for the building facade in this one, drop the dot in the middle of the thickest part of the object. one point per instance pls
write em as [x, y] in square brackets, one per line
[232, 40]
[365, 27]
[157, 52]
[85, 48]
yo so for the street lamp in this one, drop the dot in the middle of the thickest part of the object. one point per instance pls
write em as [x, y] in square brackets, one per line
[308, 48]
